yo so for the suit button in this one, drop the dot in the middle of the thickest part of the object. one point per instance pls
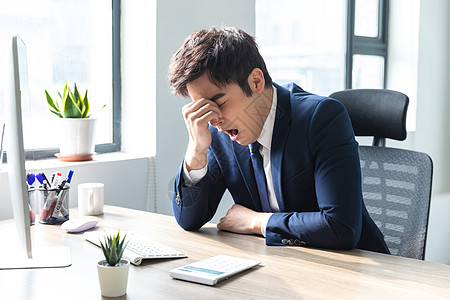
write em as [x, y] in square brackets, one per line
[302, 243]
[178, 199]
[284, 241]
[297, 242]
[291, 242]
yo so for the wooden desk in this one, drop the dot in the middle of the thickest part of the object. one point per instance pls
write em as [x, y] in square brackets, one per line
[285, 272]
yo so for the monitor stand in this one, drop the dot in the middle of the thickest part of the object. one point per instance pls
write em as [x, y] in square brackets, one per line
[43, 257]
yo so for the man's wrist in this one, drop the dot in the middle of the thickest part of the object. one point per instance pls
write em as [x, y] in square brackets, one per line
[259, 223]
[195, 160]
[264, 223]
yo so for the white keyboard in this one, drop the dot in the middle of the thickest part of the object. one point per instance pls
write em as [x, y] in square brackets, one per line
[138, 247]
[212, 270]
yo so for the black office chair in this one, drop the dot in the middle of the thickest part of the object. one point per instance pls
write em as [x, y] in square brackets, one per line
[396, 183]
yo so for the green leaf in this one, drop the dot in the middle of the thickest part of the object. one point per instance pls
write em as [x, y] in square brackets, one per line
[70, 108]
[64, 92]
[51, 102]
[77, 97]
[85, 105]
[56, 113]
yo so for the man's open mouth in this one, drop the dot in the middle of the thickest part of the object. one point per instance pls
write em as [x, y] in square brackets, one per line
[232, 132]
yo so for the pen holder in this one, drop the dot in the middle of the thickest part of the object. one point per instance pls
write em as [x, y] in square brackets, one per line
[53, 204]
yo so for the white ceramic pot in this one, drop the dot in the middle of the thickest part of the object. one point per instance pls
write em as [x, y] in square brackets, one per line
[76, 136]
[113, 280]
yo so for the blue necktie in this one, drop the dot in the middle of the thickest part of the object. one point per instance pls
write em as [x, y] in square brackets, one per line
[260, 176]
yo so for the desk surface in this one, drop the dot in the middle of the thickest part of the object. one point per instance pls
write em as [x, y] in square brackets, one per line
[285, 272]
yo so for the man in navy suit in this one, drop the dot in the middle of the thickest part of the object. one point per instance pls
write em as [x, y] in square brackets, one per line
[309, 153]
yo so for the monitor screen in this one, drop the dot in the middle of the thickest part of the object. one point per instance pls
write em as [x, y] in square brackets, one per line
[19, 254]
[16, 90]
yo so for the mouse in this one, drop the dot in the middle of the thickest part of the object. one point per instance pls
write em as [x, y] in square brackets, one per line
[78, 225]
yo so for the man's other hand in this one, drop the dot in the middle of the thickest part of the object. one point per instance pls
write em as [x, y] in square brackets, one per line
[240, 219]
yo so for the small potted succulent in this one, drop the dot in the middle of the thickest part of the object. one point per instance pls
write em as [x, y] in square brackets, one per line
[77, 127]
[113, 270]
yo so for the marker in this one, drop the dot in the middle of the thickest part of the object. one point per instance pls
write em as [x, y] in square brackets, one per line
[62, 190]
[30, 179]
[47, 206]
[42, 180]
[54, 210]
[56, 179]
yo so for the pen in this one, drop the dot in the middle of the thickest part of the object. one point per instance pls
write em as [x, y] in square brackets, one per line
[47, 206]
[62, 190]
[54, 210]
[49, 203]
[45, 177]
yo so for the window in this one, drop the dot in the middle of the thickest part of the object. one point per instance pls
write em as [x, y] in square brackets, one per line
[73, 41]
[324, 45]
[366, 43]
[303, 41]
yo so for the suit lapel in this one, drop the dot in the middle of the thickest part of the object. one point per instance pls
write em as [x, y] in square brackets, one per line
[242, 155]
[281, 130]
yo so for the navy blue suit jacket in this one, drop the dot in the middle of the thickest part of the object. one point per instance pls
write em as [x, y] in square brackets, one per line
[316, 177]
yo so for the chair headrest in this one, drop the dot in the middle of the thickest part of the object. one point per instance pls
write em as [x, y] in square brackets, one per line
[379, 113]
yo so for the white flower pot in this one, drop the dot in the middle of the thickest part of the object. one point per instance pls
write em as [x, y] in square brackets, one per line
[113, 280]
[76, 136]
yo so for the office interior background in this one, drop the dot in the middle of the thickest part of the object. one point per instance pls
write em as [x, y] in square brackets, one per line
[144, 156]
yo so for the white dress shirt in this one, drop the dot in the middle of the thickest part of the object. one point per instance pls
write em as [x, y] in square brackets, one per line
[265, 139]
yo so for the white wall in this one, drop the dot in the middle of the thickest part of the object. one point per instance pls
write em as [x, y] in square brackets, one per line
[138, 62]
[433, 89]
[419, 58]
[433, 109]
[176, 19]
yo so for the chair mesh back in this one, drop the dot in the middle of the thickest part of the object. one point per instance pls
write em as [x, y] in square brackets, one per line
[396, 186]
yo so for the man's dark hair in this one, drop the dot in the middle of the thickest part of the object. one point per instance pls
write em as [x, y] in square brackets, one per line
[226, 55]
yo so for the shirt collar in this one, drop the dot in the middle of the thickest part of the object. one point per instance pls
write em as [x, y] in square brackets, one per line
[265, 138]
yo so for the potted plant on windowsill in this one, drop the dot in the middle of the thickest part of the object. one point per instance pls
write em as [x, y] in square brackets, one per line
[113, 270]
[77, 127]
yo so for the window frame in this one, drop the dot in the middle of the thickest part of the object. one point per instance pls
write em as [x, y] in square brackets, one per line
[45, 153]
[376, 46]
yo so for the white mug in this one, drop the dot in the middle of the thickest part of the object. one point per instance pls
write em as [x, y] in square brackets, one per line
[90, 198]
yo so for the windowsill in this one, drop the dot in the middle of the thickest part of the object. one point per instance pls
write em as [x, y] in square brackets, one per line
[55, 163]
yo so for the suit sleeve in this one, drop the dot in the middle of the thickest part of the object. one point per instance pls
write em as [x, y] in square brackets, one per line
[195, 205]
[337, 179]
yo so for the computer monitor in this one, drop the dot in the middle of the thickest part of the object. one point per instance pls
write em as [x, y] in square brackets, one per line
[19, 252]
